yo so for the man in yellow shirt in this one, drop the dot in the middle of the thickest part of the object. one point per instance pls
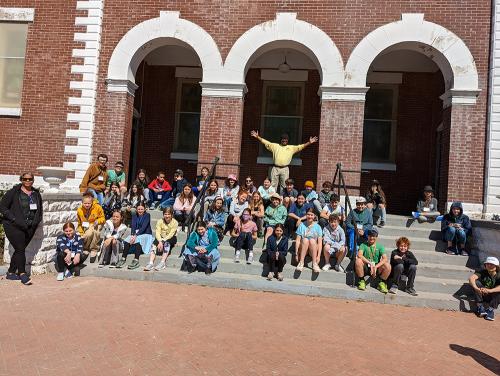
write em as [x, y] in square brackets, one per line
[282, 156]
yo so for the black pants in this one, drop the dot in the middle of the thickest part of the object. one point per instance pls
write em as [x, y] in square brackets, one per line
[61, 264]
[135, 248]
[323, 222]
[493, 300]
[172, 241]
[275, 266]
[410, 271]
[290, 226]
[19, 240]
[244, 241]
[181, 217]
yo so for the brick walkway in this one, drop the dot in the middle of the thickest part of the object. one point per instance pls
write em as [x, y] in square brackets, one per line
[90, 326]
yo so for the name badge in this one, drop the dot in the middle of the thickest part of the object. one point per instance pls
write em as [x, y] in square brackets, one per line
[359, 226]
[136, 231]
[85, 224]
[160, 196]
[73, 254]
[33, 206]
[100, 178]
[427, 209]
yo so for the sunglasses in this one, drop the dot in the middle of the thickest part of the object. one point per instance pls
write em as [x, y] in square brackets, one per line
[27, 179]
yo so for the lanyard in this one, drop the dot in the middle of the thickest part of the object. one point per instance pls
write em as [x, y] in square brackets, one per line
[372, 252]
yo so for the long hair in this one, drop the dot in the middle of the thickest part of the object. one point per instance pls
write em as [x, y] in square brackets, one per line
[257, 203]
[139, 193]
[190, 196]
[146, 177]
[213, 209]
[209, 191]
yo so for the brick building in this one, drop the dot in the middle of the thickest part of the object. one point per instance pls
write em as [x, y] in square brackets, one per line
[399, 89]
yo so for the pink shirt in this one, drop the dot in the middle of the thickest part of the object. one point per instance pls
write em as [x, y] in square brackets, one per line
[178, 205]
[249, 226]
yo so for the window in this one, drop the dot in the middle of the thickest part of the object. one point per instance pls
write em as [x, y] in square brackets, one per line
[282, 110]
[187, 116]
[379, 129]
[12, 51]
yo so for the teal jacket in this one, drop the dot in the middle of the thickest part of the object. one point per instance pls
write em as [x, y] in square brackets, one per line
[273, 216]
[194, 240]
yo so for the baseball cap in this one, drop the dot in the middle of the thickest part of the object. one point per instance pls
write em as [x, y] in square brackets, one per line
[372, 232]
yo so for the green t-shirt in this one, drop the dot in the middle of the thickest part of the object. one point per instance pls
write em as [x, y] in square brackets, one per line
[113, 177]
[487, 280]
[373, 253]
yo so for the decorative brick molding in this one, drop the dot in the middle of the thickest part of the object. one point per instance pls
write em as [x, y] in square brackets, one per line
[87, 86]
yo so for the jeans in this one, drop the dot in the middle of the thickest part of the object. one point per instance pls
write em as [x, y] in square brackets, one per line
[97, 195]
[136, 250]
[452, 233]
[493, 300]
[153, 197]
[410, 271]
[350, 235]
[380, 212]
[244, 241]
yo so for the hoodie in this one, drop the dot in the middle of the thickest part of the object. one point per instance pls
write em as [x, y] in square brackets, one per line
[461, 219]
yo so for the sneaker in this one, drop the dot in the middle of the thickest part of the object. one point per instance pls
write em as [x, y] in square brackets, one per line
[463, 252]
[160, 266]
[339, 268]
[121, 263]
[381, 224]
[415, 215]
[393, 289]
[481, 311]
[490, 314]
[326, 267]
[112, 265]
[148, 267]
[68, 274]
[316, 268]
[60, 276]
[134, 264]
[270, 276]
[280, 276]
[101, 265]
[12, 277]
[237, 256]
[382, 287]
[450, 251]
[362, 284]
[250, 258]
[411, 291]
[300, 267]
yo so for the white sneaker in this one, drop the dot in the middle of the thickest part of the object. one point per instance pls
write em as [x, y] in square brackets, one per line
[300, 266]
[60, 276]
[326, 267]
[160, 266]
[339, 268]
[250, 258]
[237, 256]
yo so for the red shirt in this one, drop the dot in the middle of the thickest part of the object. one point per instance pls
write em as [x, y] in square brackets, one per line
[155, 184]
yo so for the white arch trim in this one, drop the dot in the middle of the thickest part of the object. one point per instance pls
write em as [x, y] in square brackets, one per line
[454, 58]
[153, 33]
[286, 27]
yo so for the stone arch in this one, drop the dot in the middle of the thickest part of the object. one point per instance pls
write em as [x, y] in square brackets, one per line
[156, 32]
[412, 32]
[286, 27]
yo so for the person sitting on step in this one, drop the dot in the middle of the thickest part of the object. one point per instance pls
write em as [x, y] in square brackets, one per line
[201, 251]
[358, 222]
[215, 217]
[276, 250]
[486, 286]
[90, 218]
[334, 243]
[333, 207]
[230, 190]
[69, 248]
[455, 227]
[131, 200]
[249, 186]
[200, 180]
[266, 190]
[245, 231]
[178, 185]
[159, 191]
[403, 263]
[235, 210]
[165, 240]
[296, 215]
[117, 176]
[211, 193]
[140, 239]
[309, 240]
[112, 200]
[183, 205]
[427, 207]
[289, 193]
[256, 206]
[311, 196]
[325, 195]
[142, 180]
[377, 203]
[112, 244]
[274, 214]
[372, 261]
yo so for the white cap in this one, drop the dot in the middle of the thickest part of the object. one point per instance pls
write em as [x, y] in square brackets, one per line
[492, 260]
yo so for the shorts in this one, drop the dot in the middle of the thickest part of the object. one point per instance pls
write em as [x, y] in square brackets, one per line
[332, 250]
[171, 242]
[367, 270]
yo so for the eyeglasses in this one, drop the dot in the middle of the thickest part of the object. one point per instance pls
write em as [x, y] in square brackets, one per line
[27, 179]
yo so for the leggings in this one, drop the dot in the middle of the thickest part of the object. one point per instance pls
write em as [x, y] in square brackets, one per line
[136, 249]
[275, 266]
[19, 240]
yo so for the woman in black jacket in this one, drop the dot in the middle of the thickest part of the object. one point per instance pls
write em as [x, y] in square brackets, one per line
[277, 249]
[21, 211]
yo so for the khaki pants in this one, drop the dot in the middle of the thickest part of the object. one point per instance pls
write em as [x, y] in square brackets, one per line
[91, 238]
[278, 177]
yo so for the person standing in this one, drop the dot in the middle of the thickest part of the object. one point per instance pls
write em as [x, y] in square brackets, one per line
[282, 156]
[95, 178]
[21, 212]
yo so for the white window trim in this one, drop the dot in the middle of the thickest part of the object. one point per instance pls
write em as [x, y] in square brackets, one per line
[180, 81]
[8, 111]
[17, 14]
[184, 156]
[269, 161]
[378, 166]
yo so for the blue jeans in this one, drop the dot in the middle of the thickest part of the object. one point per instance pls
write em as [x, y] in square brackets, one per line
[361, 239]
[167, 203]
[97, 195]
[454, 234]
[153, 197]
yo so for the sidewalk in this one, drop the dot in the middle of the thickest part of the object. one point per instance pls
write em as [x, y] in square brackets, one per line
[92, 326]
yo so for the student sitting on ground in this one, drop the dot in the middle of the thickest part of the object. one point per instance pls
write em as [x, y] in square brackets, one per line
[277, 250]
[427, 207]
[165, 240]
[200, 180]
[296, 215]
[235, 210]
[201, 251]
[274, 214]
[142, 180]
[309, 240]
[333, 207]
[372, 261]
[215, 217]
[245, 232]
[249, 186]
[112, 244]
[455, 228]
[325, 195]
[486, 286]
[140, 239]
[131, 200]
[183, 205]
[334, 243]
[311, 196]
[230, 190]
[112, 201]
[69, 248]
[90, 220]
[159, 191]
[95, 178]
[117, 176]
[363, 221]
[403, 262]
[256, 206]
[289, 193]
[376, 202]
[266, 190]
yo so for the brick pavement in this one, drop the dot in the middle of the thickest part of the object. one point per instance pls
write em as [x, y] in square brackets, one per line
[91, 326]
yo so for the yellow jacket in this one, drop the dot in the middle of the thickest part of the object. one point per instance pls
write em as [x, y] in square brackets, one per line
[94, 214]
[165, 231]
